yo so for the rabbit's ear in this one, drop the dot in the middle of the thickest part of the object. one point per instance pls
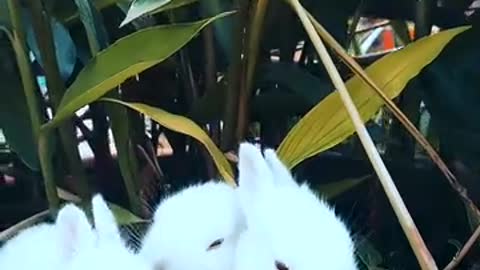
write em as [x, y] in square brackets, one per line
[254, 178]
[254, 174]
[74, 230]
[281, 175]
[105, 222]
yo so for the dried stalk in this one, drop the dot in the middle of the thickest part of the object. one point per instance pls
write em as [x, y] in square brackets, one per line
[15, 229]
[459, 257]
[421, 252]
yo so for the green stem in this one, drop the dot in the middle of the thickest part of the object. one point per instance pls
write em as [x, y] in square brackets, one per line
[98, 40]
[48, 171]
[56, 89]
[254, 39]
[235, 79]
[29, 88]
[26, 74]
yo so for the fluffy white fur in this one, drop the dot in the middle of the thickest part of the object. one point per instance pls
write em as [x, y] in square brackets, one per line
[72, 244]
[187, 223]
[287, 224]
[107, 250]
[48, 246]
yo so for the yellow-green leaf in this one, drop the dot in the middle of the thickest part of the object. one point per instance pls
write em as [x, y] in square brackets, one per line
[123, 216]
[142, 7]
[124, 59]
[328, 123]
[334, 189]
[185, 126]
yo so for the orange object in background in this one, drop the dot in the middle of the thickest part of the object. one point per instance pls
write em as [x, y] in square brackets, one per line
[388, 39]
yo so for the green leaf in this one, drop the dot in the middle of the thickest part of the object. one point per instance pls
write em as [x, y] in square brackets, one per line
[65, 50]
[14, 114]
[142, 7]
[332, 190]
[123, 216]
[185, 126]
[328, 123]
[124, 59]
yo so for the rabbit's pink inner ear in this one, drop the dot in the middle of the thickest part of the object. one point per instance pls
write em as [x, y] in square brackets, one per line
[104, 220]
[281, 174]
[253, 172]
[74, 230]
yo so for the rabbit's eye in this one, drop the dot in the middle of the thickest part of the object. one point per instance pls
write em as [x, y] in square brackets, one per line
[215, 244]
[280, 266]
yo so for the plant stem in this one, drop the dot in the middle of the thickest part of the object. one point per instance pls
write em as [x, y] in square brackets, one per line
[463, 252]
[211, 77]
[248, 67]
[254, 40]
[56, 89]
[98, 40]
[423, 255]
[18, 43]
[235, 80]
[353, 27]
[48, 171]
[13, 230]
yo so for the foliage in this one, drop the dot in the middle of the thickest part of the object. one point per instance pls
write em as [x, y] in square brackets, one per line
[392, 72]
[179, 83]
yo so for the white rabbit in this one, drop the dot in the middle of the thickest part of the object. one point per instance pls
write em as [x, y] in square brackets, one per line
[72, 244]
[196, 228]
[48, 246]
[107, 250]
[288, 226]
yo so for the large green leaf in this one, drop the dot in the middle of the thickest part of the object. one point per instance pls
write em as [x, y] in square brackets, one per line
[124, 59]
[328, 123]
[14, 113]
[142, 7]
[185, 126]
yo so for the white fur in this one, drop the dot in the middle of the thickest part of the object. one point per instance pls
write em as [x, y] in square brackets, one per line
[48, 246]
[108, 250]
[286, 222]
[72, 244]
[188, 222]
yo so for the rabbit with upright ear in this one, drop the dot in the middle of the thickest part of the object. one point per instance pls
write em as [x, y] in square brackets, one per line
[288, 226]
[48, 246]
[108, 250]
[196, 228]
